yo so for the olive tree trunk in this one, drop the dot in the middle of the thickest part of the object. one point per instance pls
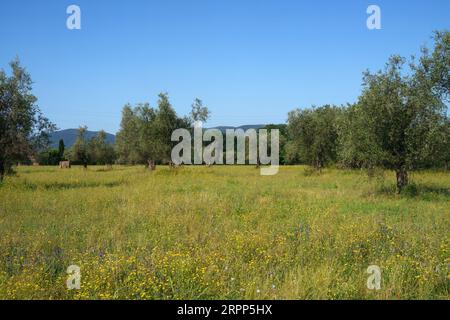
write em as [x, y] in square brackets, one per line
[151, 165]
[402, 179]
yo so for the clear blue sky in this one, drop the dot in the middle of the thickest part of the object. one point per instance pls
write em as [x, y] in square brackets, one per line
[251, 61]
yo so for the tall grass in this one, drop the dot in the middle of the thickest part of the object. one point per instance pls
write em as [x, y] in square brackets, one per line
[222, 232]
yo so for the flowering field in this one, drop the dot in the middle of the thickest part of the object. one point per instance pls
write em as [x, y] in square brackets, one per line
[222, 233]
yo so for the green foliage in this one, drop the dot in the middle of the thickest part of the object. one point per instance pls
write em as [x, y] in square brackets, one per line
[313, 134]
[283, 140]
[50, 157]
[94, 151]
[23, 129]
[166, 121]
[100, 151]
[355, 147]
[61, 149]
[145, 133]
[79, 152]
[128, 137]
[399, 120]
[433, 69]
[199, 112]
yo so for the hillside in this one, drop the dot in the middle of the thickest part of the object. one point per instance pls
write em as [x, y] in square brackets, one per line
[70, 135]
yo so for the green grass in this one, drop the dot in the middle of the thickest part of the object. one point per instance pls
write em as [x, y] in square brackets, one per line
[222, 233]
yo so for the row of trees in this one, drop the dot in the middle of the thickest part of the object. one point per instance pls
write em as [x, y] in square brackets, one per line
[96, 151]
[24, 131]
[93, 151]
[145, 133]
[52, 157]
[399, 122]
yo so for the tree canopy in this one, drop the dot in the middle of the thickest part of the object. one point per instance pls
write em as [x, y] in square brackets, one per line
[145, 133]
[23, 128]
[313, 135]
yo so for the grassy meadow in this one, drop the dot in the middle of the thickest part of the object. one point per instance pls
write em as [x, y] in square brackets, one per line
[222, 232]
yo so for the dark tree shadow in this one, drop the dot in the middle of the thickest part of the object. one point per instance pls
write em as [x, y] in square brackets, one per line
[80, 185]
[414, 190]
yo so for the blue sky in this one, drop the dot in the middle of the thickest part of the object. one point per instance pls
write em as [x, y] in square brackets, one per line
[250, 61]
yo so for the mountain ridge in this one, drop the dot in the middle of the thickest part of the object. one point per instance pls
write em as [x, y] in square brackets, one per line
[70, 135]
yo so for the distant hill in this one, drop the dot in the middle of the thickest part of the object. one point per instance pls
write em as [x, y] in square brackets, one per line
[70, 135]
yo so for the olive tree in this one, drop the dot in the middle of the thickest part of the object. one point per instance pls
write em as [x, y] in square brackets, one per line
[313, 135]
[401, 111]
[24, 131]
